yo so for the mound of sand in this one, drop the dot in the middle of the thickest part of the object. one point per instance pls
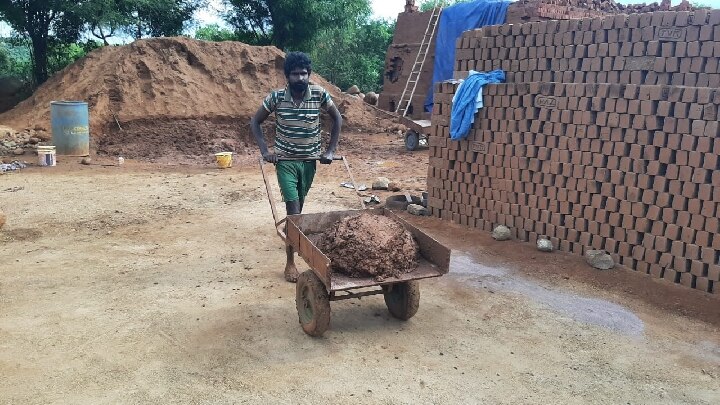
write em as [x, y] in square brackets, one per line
[172, 95]
[369, 245]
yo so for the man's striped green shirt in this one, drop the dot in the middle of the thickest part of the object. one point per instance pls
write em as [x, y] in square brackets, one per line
[297, 128]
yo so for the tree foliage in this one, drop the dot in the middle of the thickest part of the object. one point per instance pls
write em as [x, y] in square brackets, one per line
[354, 55]
[290, 24]
[214, 33]
[158, 18]
[35, 19]
[105, 18]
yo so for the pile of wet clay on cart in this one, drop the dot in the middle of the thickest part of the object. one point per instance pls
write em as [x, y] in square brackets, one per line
[369, 245]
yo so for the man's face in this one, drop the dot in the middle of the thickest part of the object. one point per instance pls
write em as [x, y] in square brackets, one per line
[298, 79]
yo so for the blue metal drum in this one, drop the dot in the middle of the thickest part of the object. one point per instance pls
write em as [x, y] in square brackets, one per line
[70, 127]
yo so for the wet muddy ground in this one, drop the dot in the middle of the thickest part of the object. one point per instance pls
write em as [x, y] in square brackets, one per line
[150, 284]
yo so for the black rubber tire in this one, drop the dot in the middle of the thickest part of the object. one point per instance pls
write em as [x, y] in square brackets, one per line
[402, 299]
[412, 140]
[313, 304]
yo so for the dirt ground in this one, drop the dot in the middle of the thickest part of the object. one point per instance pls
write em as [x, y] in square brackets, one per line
[152, 283]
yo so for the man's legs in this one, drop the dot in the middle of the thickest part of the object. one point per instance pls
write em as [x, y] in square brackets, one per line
[295, 179]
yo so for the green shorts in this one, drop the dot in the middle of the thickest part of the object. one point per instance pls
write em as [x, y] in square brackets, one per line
[295, 178]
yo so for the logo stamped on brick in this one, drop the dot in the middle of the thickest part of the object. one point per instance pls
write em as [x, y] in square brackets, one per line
[480, 147]
[671, 34]
[545, 102]
[665, 94]
[640, 63]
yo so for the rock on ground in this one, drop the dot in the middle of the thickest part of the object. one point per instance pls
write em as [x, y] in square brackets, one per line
[599, 259]
[501, 232]
[369, 245]
[416, 209]
[381, 183]
[545, 245]
[371, 98]
[3, 218]
[394, 186]
[353, 90]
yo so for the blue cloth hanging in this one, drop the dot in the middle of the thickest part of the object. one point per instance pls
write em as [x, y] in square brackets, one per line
[468, 99]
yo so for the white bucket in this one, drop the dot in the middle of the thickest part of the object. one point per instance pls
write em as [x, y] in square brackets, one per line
[46, 155]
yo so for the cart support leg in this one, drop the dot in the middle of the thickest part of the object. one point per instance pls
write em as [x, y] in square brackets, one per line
[291, 272]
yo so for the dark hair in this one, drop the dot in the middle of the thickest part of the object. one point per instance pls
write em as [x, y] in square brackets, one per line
[297, 60]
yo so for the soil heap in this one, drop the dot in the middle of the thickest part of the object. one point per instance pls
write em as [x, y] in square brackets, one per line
[173, 95]
[369, 245]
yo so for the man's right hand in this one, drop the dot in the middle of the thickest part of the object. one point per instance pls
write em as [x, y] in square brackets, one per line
[270, 157]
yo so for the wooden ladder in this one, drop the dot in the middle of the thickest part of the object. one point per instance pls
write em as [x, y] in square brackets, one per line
[404, 104]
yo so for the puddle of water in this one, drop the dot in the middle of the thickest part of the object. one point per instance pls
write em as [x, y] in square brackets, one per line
[587, 310]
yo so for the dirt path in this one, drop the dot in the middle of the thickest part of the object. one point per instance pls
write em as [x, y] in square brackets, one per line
[145, 284]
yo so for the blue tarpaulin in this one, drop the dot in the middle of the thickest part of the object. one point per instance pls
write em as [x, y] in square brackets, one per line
[455, 20]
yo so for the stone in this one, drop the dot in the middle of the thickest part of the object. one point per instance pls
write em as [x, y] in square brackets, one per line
[372, 200]
[545, 245]
[371, 98]
[599, 259]
[34, 140]
[3, 218]
[416, 209]
[86, 161]
[501, 232]
[394, 186]
[353, 90]
[19, 151]
[381, 183]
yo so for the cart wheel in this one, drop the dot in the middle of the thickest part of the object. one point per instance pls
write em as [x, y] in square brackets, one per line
[402, 299]
[313, 304]
[412, 140]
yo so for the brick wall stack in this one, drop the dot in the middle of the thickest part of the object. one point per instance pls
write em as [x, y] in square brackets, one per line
[680, 48]
[630, 168]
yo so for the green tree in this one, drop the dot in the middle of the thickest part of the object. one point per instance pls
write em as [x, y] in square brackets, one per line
[105, 18]
[62, 54]
[158, 18]
[354, 55]
[15, 59]
[213, 32]
[290, 24]
[36, 19]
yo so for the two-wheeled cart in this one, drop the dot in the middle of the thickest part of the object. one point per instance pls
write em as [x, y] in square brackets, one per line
[320, 285]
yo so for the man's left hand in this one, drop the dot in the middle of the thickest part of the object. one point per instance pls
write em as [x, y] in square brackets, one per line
[327, 157]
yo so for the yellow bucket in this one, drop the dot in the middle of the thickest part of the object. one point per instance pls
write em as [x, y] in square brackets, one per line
[223, 159]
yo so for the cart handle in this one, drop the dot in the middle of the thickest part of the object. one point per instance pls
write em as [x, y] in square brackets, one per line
[271, 199]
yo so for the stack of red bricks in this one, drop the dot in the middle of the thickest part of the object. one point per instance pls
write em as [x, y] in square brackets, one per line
[633, 169]
[668, 47]
[535, 10]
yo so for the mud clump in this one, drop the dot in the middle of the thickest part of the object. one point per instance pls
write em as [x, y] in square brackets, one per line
[369, 245]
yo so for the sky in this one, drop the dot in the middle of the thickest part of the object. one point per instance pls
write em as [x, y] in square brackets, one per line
[386, 9]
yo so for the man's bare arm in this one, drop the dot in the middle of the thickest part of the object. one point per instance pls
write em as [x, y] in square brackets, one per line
[334, 135]
[260, 117]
